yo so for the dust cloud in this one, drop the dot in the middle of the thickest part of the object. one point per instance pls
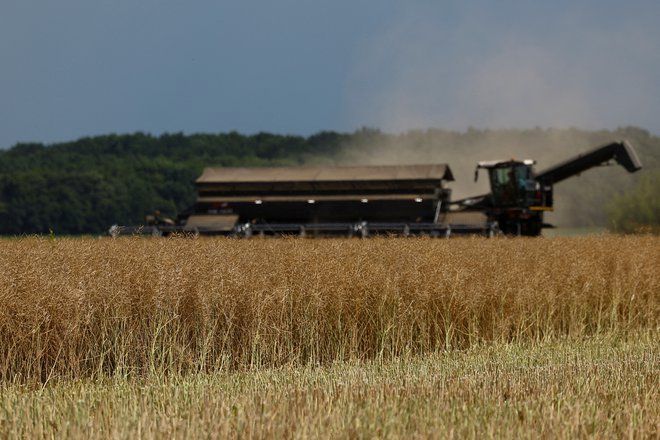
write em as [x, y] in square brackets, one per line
[579, 201]
[417, 74]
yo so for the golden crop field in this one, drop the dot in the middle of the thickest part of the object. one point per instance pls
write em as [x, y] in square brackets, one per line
[330, 338]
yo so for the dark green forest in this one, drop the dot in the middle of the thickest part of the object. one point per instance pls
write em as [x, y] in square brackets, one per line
[84, 186]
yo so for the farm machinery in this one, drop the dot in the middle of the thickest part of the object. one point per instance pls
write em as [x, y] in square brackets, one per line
[373, 200]
[519, 196]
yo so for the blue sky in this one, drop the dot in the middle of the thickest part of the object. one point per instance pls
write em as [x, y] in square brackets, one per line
[75, 68]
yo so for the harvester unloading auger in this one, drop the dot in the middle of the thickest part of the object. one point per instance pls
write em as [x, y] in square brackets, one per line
[367, 200]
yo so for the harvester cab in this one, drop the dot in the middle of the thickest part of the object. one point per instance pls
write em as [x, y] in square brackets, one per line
[516, 195]
[513, 184]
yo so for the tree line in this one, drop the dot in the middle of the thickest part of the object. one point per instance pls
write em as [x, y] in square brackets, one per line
[84, 186]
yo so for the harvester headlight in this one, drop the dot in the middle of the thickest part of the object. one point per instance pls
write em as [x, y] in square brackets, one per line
[364, 200]
[418, 199]
[258, 202]
[310, 201]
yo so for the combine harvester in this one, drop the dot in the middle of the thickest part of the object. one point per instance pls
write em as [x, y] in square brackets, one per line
[372, 200]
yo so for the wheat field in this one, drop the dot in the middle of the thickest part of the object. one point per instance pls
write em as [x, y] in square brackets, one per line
[83, 318]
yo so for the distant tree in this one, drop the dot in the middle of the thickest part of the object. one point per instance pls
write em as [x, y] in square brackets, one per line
[638, 208]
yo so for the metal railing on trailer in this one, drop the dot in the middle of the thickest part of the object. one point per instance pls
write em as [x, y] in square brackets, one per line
[360, 229]
[365, 229]
[152, 230]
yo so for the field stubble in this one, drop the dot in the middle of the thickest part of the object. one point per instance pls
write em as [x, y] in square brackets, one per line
[600, 387]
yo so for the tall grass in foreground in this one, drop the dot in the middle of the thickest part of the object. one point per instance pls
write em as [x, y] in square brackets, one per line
[92, 308]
